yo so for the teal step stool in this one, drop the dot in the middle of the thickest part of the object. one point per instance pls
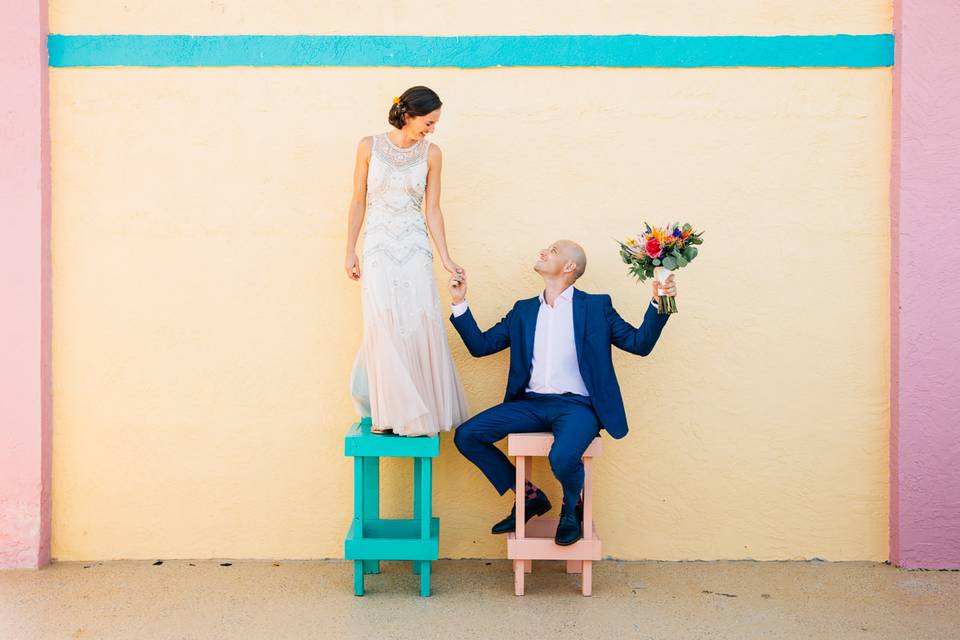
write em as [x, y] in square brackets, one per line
[371, 538]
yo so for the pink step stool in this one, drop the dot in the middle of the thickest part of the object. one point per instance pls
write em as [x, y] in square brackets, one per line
[534, 540]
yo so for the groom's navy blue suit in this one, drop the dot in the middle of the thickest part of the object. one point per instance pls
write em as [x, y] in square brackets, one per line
[574, 419]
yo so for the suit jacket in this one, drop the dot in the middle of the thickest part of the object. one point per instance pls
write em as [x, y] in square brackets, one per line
[596, 326]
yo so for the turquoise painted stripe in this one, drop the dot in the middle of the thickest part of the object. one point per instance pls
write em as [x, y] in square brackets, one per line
[470, 51]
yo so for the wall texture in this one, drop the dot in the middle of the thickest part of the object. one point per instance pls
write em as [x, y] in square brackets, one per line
[925, 506]
[450, 17]
[25, 379]
[204, 329]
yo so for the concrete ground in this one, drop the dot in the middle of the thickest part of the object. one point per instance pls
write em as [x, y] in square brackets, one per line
[202, 599]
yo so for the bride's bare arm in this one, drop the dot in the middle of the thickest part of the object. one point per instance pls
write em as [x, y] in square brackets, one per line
[433, 212]
[358, 206]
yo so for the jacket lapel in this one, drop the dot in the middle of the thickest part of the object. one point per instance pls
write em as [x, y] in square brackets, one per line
[579, 322]
[529, 329]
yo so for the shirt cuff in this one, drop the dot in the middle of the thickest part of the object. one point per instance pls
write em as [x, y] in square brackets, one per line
[459, 309]
[654, 303]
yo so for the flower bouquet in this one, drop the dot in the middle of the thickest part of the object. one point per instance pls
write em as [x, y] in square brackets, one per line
[658, 252]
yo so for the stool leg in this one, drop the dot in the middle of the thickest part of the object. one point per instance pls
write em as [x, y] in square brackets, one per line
[587, 498]
[518, 577]
[588, 577]
[358, 577]
[426, 503]
[371, 501]
[416, 488]
[358, 494]
[358, 519]
[424, 481]
[520, 491]
[574, 566]
[416, 505]
[425, 578]
[528, 566]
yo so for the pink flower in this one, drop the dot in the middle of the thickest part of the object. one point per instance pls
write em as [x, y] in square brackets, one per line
[653, 248]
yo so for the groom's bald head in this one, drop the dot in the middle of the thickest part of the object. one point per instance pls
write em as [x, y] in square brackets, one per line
[563, 258]
[575, 254]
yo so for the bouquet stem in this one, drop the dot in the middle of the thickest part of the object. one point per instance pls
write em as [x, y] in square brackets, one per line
[668, 304]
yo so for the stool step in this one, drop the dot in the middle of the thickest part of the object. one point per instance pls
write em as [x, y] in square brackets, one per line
[538, 544]
[392, 540]
[359, 441]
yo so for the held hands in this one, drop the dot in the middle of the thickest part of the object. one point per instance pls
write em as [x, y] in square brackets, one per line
[458, 280]
[669, 288]
[458, 287]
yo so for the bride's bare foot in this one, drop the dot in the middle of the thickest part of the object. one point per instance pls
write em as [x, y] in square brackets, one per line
[381, 430]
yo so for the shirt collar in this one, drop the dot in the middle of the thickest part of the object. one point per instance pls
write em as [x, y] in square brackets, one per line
[566, 295]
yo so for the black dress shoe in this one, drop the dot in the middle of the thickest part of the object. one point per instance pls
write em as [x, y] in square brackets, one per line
[536, 506]
[570, 528]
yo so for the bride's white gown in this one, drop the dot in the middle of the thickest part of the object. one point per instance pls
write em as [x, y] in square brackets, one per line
[403, 377]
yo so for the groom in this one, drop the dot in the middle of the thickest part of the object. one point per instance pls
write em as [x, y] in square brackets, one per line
[561, 378]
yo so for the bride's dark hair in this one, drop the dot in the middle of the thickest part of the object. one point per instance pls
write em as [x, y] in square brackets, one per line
[415, 101]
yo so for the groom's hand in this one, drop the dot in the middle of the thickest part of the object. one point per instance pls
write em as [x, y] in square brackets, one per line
[669, 288]
[458, 287]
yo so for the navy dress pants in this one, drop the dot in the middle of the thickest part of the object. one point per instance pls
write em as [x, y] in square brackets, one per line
[569, 417]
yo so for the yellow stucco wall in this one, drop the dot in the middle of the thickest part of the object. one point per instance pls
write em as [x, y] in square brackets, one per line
[452, 17]
[204, 330]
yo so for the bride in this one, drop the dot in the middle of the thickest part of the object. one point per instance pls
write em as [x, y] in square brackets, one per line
[403, 376]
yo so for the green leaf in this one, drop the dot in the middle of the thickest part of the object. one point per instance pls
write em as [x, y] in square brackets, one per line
[682, 262]
[656, 262]
[670, 263]
[690, 253]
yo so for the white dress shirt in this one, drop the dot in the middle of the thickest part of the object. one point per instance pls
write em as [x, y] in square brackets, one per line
[555, 365]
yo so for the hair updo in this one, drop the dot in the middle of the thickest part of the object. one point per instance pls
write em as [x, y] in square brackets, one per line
[415, 101]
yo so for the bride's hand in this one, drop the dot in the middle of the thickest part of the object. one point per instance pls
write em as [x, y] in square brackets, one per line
[352, 266]
[453, 268]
